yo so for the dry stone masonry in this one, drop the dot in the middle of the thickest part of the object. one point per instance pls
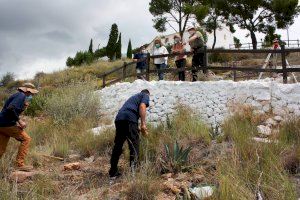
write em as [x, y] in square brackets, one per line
[212, 101]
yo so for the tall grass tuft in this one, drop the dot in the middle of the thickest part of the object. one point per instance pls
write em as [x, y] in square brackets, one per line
[74, 101]
[142, 187]
[251, 168]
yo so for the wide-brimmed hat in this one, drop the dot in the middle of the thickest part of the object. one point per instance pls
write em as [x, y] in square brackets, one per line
[191, 28]
[177, 36]
[28, 87]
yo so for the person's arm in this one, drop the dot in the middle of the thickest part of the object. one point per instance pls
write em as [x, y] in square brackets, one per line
[143, 112]
[15, 108]
[165, 52]
[135, 59]
[193, 38]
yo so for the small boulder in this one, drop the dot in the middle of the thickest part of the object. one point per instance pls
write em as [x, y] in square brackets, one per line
[90, 159]
[271, 122]
[278, 118]
[21, 176]
[72, 166]
[74, 157]
[264, 130]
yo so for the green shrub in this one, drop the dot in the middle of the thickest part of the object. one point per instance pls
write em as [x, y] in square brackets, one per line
[37, 105]
[74, 101]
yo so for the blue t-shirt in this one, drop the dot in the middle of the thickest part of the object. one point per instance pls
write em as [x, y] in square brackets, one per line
[12, 109]
[130, 109]
[141, 64]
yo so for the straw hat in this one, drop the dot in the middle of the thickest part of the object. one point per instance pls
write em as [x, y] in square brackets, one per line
[191, 28]
[28, 87]
[177, 36]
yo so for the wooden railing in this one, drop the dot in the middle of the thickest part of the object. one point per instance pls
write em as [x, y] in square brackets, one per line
[122, 71]
[288, 43]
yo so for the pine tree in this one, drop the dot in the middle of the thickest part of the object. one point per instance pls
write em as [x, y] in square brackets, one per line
[129, 50]
[119, 47]
[70, 62]
[112, 41]
[91, 46]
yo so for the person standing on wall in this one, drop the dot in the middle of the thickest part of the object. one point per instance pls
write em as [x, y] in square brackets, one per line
[12, 126]
[196, 41]
[160, 63]
[141, 65]
[127, 129]
[180, 60]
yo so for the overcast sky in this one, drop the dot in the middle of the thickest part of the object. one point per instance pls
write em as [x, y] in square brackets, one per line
[38, 35]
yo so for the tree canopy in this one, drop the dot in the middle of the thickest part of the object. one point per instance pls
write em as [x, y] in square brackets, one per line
[112, 41]
[119, 47]
[129, 50]
[259, 15]
[91, 46]
[176, 14]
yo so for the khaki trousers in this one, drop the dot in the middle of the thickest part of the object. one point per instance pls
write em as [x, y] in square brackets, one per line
[18, 134]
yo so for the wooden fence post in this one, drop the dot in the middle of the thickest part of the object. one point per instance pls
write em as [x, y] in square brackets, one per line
[148, 67]
[205, 59]
[234, 72]
[124, 70]
[103, 79]
[283, 60]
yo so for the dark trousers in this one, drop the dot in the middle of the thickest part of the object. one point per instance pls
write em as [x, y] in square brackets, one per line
[160, 73]
[181, 64]
[125, 131]
[197, 62]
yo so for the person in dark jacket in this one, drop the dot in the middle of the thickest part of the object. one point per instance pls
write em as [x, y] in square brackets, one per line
[141, 65]
[12, 126]
[127, 129]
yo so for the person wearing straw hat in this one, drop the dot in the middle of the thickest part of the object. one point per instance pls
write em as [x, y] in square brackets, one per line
[196, 42]
[12, 126]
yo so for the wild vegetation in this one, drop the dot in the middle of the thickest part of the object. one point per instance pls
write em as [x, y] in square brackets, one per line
[238, 167]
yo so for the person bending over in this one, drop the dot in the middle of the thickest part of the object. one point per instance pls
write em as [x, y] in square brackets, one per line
[127, 129]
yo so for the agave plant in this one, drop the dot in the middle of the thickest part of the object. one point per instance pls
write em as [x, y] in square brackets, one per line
[176, 159]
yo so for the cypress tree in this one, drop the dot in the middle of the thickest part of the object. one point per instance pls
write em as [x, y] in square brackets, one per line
[119, 47]
[129, 50]
[91, 46]
[112, 41]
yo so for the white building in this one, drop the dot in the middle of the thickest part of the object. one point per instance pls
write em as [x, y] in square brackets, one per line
[224, 39]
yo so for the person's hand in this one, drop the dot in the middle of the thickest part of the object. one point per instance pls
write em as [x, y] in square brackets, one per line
[144, 130]
[26, 104]
[22, 124]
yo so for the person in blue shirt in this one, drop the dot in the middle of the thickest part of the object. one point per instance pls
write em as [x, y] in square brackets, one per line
[141, 65]
[12, 126]
[127, 129]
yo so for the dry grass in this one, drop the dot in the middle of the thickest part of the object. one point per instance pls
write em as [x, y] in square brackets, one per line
[252, 168]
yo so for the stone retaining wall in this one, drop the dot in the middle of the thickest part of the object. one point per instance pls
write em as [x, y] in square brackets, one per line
[210, 100]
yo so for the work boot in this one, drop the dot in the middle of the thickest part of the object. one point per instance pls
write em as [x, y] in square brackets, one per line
[25, 168]
[115, 175]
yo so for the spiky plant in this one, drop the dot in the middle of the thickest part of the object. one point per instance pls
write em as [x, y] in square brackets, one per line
[176, 159]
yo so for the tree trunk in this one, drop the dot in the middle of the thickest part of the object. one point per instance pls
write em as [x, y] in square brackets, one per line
[215, 39]
[253, 38]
